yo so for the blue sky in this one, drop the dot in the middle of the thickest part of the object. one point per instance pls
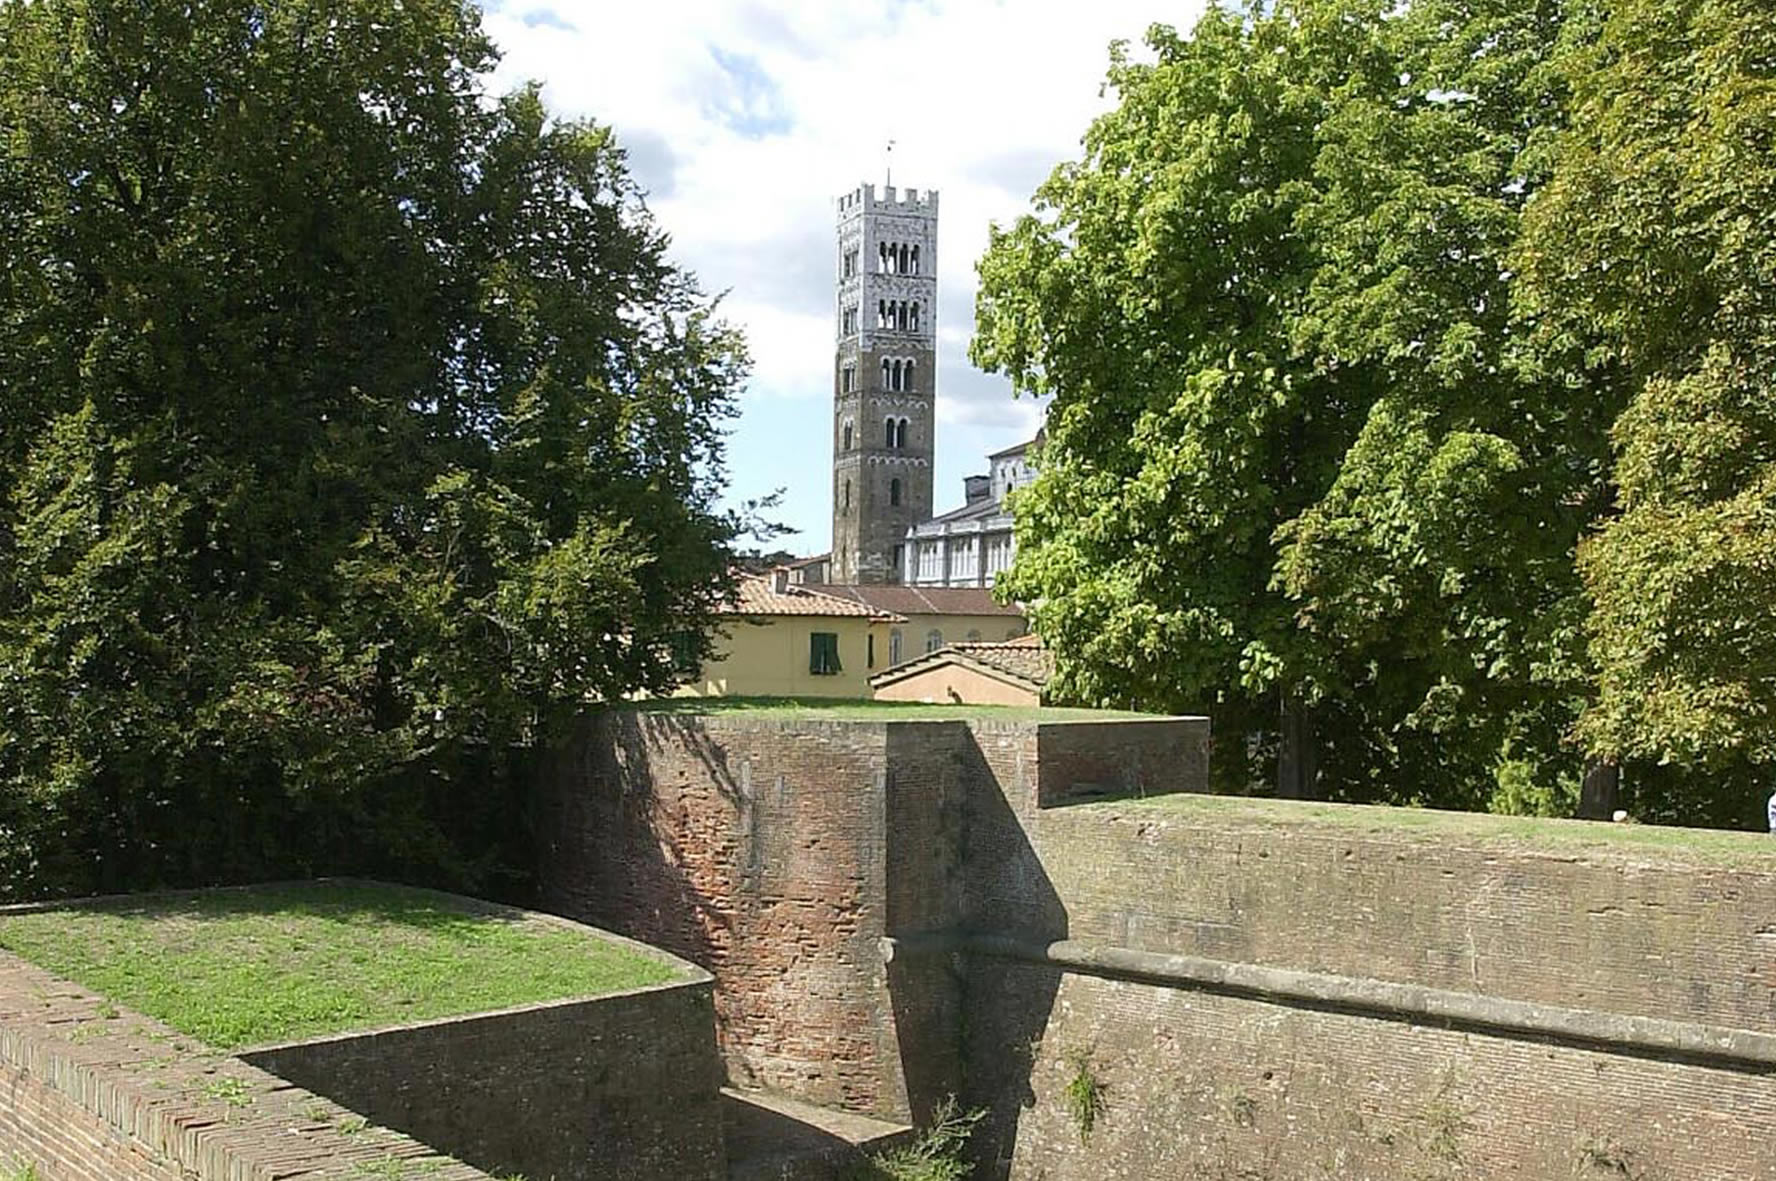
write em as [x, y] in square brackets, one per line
[745, 119]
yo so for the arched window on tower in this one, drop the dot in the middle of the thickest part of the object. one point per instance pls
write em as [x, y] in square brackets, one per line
[847, 446]
[885, 384]
[894, 492]
[882, 257]
[906, 376]
[915, 260]
[906, 258]
[888, 433]
[915, 320]
[882, 313]
[847, 500]
[900, 429]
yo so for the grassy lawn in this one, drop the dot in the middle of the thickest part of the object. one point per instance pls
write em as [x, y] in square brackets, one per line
[1713, 846]
[237, 968]
[850, 709]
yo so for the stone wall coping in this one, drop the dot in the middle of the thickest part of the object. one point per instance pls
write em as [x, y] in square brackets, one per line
[1742, 1050]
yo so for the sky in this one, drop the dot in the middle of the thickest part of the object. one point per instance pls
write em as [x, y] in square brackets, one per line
[745, 119]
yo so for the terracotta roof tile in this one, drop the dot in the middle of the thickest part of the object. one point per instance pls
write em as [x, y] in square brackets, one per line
[924, 600]
[1024, 660]
[755, 594]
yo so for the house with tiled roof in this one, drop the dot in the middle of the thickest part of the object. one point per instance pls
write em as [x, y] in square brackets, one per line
[1013, 672]
[780, 639]
[932, 616]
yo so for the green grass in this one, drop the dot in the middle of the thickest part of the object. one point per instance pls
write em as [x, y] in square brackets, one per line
[236, 968]
[1714, 846]
[849, 709]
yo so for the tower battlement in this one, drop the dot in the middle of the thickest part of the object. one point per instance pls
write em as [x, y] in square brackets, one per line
[863, 199]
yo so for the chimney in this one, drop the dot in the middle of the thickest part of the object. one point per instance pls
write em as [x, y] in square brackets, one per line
[976, 488]
[780, 580]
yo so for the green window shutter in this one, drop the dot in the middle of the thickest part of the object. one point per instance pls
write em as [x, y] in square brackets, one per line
[823, 654]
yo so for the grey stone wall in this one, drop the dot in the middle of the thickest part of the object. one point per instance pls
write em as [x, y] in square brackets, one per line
[625, 1085]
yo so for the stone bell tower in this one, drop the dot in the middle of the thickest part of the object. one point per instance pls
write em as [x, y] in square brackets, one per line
[884, 379]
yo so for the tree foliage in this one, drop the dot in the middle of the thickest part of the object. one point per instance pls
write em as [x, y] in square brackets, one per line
[1656, 244]
[1295, 451]
[350, 415]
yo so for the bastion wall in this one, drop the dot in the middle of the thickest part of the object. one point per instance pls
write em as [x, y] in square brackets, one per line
[1024, 913]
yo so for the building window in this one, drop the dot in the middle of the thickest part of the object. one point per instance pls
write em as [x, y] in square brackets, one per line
[899, 561]
[823, 654]
[894, 491]
[848, 379]
[914, 318]
[847, 500]
[933, 640]
[930, 561]
[894, 646]
[915, 260]
[869, 650]
[847, 436]
[888, 433]
[906, 377]
[684, 653]
[900, 432]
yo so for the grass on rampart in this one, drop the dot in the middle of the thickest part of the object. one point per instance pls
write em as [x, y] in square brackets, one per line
[850, 709]
[1534, 833]
[269, 964]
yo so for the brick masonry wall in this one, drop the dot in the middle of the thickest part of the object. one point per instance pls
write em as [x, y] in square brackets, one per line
[89, 1092]
[1207, 1086]
[1198, 1087]
[623, 1085]
[755, 849]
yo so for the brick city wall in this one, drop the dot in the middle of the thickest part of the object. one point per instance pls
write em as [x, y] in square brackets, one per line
[89, 1092]
[620, 1085]
[894, 911]
[777, 853]
[754, 849]
[1207, 1083]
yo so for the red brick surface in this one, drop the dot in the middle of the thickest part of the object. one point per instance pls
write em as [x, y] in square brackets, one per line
[94, 1093]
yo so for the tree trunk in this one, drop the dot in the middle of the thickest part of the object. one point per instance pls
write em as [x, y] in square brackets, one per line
[1597, 793]
[1298, 771]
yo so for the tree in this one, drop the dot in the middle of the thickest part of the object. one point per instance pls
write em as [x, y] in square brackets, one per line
[1654, 243]
[348, 416]
[1298, 460]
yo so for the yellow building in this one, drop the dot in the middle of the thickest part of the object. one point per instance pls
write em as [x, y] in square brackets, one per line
[1011, 673]
[932, 616]
[783, 640]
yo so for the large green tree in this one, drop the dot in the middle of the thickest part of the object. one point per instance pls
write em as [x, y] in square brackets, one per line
[1301, 472]
[1656, 243]
[349, 415]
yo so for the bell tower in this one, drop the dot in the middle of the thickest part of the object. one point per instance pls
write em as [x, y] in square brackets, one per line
[884, 379]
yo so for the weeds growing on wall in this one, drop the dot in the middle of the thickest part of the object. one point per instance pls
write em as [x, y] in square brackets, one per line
[1084, 1094]
[937, 1155]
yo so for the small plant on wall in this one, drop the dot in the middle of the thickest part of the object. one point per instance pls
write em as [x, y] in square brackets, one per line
[1085, 1094]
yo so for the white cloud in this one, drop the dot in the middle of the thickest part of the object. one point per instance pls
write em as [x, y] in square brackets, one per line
[747, 119]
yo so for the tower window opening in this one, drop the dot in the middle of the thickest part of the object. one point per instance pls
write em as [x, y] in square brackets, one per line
[888, 433]
[847, 440]
[894, 492]
[881, 313]
[848, 378]
[906, 256]
[915, 317]
[885, 375]
[906, 376]
[900, 429]
[846, 502]
[895, 372]
[915, 260]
